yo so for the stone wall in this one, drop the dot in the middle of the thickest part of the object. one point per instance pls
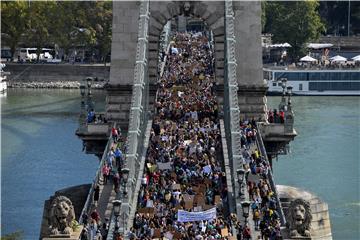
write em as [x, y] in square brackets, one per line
[55, 72]
[252, 87]
[123, 54]
[124, 39]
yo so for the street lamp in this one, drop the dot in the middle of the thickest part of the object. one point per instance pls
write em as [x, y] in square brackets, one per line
[116, 209]
[82, 89]
[241, 174]
[283, 100]
[89, 81]
[245, 205]
[82, 116]
[289, 92]
[125, 177]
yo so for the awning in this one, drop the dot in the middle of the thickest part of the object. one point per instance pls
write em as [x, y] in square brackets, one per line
[307, 59]
[280, 45]
[319, 45]
[338, 58]
[356, 58]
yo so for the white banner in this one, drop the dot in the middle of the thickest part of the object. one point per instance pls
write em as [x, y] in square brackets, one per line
[185, 216]
[164, 166]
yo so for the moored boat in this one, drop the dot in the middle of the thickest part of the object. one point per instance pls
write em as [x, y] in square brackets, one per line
[340, 82]
[3, 84]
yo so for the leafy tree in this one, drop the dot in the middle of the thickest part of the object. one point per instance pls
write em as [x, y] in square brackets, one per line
[68, 24]
[263, 15]
[14, 20]
[335, 15]
[102, 26]
[295, 22]
[40, 24]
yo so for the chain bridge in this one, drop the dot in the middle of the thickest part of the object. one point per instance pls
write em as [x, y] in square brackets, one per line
[160, 182]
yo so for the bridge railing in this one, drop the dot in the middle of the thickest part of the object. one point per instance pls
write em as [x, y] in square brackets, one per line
[89, 199]
[163, 64]
[261, 147]
[138, 117]
[231, 107]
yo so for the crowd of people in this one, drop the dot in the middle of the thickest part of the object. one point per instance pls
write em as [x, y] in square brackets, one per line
[96, 228]
[183, 171]
[275, 116]
[183, 168]
[263, 201]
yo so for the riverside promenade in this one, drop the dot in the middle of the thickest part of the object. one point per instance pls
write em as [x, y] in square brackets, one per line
[62, 75]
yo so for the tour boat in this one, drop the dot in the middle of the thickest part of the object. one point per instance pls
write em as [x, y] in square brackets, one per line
[330, 82]
[3, 84]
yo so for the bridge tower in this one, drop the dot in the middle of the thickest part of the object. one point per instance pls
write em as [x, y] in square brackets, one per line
[126, 23]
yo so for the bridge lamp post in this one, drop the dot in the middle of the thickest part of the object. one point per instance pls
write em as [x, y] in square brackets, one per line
[289, 117]
[116, 209]
[88, 81]
[241, 174]
[82, 92]
[283, 100]
[245, 205]
[82, 117]
[125, 177]
[289, 92]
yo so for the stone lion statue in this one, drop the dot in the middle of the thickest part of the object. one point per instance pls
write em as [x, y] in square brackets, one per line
[299, 218]
[61, 216]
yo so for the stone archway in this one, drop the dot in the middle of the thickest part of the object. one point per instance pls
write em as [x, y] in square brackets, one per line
[212, 13]
[124, 49]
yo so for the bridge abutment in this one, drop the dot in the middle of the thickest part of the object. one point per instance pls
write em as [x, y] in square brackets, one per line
[118, 102]
[248, 52]
[252, 102]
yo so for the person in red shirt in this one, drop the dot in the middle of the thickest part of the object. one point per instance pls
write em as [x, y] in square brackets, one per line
[106, 172]
[95, 216]
[247, 232]
[282, 116]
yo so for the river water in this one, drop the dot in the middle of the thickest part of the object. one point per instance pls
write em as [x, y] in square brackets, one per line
[41, 154]
[325, 157]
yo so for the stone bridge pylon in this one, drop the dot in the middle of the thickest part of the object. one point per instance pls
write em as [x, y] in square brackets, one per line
[128, 22]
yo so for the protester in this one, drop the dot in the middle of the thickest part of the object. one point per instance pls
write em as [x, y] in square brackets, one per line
[183, 171]
[96, 194]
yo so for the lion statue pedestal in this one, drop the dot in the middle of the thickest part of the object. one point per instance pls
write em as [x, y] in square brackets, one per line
[62, 220]
[299, 219]
[307, 216]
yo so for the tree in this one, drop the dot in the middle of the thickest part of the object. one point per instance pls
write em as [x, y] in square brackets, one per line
[102, 25]
[336, 13]
[295, 22]
[67, 24]
[40, 25]
[14, 21]
[263, 15]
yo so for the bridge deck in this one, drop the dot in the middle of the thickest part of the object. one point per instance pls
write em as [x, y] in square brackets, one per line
[183, 171]
[184, 192]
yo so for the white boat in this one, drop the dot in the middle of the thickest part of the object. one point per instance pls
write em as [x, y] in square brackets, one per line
[340, 82]
[3, 84]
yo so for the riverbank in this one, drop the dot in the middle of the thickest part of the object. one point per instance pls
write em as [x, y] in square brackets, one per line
[53, 84]
[54, 75]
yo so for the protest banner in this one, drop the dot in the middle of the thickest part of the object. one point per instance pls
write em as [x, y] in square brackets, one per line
[224, 232]
[185, 216]
[164, 166]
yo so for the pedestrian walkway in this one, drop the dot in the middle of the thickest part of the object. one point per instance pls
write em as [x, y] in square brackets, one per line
[107, 193]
